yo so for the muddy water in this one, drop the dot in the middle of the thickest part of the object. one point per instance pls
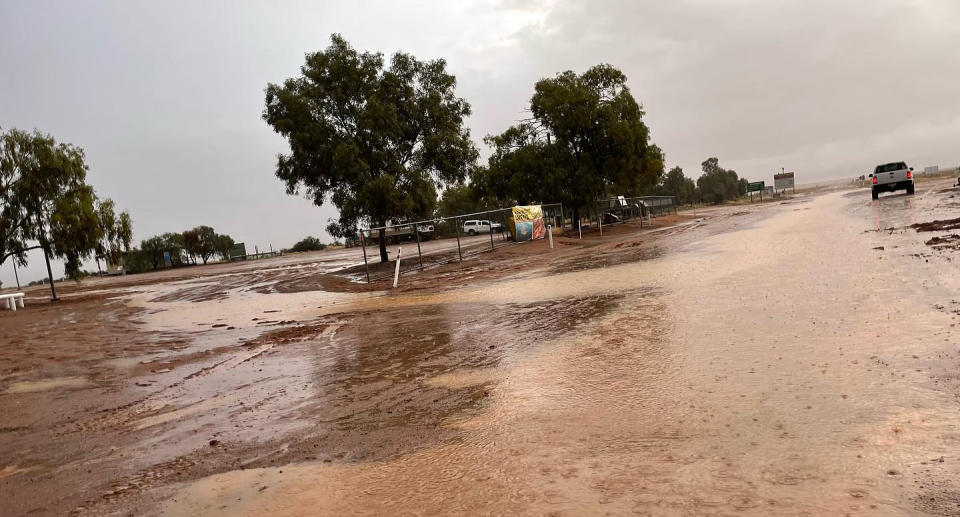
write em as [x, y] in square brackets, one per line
[781, 369]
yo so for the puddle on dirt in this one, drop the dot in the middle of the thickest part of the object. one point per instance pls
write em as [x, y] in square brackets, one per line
[237, 309]
[464, 378]
[52, 383]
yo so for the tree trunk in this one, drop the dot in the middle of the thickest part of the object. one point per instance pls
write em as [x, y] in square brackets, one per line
[576, 217]
[383, 246]
[99, 272]
[53, 289]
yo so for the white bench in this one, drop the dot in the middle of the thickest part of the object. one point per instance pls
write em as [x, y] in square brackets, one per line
[12, 300]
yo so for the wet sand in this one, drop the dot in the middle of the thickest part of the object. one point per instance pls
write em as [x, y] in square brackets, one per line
[792, 358]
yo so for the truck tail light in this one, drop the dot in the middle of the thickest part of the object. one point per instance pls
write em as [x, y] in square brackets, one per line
[909, 174]
[874, 180]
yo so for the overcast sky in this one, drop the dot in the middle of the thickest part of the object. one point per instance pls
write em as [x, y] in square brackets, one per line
[166, 97]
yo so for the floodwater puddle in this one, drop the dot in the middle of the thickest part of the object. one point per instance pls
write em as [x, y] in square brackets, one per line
[48, 384]
[464, 378]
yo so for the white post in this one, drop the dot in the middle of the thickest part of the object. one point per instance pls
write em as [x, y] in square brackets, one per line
[580, 227]
[396, 274]
[550, 235]
[601, 224]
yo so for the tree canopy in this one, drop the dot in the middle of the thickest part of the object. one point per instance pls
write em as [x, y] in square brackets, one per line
[585, 139]
[116, 232]
[377, 140]
[308, 244]
[678, 185]
[717, 184]
[200, 242]
[46, 202]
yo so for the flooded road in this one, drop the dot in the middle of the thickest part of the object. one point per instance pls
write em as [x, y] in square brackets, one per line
[797, 358]
[787, 368]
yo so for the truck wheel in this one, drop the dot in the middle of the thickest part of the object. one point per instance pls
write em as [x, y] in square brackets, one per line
[873, 193]
[471, 232]
[910, 189]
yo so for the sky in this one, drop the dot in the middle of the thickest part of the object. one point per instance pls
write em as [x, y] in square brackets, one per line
[166, 97]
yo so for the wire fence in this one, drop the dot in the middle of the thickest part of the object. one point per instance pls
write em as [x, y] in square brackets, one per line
[434, 242]
[429, 243]
[617, 210]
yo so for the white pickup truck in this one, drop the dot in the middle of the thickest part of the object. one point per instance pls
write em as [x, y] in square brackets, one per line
[890, 177]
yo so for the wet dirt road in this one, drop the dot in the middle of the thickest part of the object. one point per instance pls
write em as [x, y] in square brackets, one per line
[801, 359]
[785, 368]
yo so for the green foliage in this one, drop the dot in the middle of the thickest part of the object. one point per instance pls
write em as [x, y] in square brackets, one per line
[308, 244]
[170, 242]
[116, 232]
[223, 245]
[200, 242]
[676, 184]
[375, 140]
[45, 200]
[137, 261]
[153, 249]
[717, 184]
[586, 138]
[463, 199]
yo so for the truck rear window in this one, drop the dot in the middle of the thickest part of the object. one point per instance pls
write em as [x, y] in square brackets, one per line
[890, 167]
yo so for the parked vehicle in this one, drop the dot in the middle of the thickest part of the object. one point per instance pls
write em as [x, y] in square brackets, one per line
[475, 226]
[890, 177]
[395, 233]
[426, 231]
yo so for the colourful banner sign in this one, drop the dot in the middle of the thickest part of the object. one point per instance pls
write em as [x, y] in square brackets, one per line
[528, 221]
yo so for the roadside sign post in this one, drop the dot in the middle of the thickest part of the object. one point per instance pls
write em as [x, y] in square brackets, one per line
[363, 244]
[784, 181]
[756, 186]
[396, 273]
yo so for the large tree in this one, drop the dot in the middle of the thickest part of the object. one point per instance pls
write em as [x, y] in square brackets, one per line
[586, 139]
[376, 140]
[678, 185]
[224, 244]
[717, 184]
[46, 203]
[116, 232]
[200, 242]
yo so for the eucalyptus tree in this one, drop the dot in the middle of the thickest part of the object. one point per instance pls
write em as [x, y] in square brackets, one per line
[46, 203]
[116, 232]
[376, 139]
[585, 139]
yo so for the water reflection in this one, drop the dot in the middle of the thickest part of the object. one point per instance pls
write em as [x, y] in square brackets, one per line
[893, 211]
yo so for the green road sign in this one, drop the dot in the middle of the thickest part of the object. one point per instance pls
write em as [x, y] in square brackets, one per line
[756, 186]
